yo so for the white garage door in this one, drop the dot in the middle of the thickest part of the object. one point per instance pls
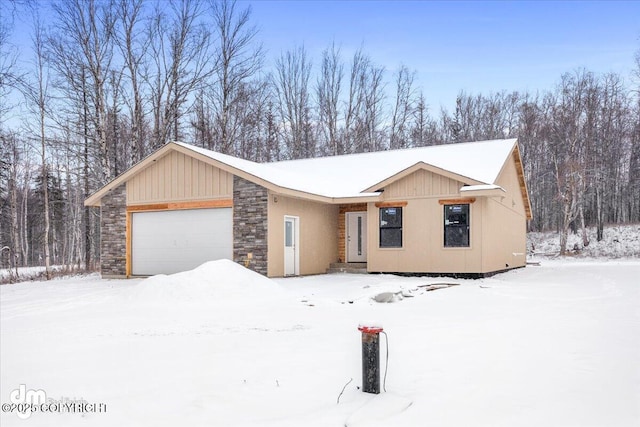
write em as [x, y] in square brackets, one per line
[171, 241]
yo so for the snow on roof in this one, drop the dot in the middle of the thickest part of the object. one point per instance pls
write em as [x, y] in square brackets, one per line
[482, 187]
[350, 175]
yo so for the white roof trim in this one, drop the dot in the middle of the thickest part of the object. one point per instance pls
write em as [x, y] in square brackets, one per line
[490, 190]
[482, 187]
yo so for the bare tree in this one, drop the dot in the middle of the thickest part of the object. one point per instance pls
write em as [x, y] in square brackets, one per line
[531, 132]
[38, 98]
[328, 89]
[374, 109]
[25, 210]
[567, 141]
[133, 44]
[81, 51]
[352, 112]
[10, 76]
[607, 132]
[291, 82]
[11, 154]
[399, 137]
[492, 115]
[272, 147]
[423, 128]
[7, 68]
[84, 119]
[114, 126]
[633, 185]
[239, 61]
[83, 41]
[203, 132]
[483, 117]
[364, 109]
[181, 54]
[8, 150]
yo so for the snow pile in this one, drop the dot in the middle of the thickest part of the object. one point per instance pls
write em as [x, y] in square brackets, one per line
[619, 241]
[220, 281]
[387, 297]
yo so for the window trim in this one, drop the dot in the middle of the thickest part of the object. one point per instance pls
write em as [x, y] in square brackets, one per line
[389, 205]
[463, 201]
[444, 226]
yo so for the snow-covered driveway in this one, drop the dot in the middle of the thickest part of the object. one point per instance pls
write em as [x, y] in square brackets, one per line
[555, 345]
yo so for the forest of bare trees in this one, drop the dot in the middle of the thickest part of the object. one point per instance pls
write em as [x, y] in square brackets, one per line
[106, 82]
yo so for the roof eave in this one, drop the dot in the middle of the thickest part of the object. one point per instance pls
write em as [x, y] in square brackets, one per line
[483, 192]
[522, 181]
[96, 198]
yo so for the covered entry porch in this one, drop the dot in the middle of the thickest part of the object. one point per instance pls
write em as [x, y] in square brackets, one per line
[352, 236]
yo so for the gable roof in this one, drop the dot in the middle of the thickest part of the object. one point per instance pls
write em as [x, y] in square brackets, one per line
[473, 162]
[351, 176]
[354, 175]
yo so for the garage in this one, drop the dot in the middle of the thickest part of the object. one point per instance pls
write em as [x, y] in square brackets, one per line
[166, 242]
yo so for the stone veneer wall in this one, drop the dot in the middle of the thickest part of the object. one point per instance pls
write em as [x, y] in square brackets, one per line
[113, 230]
[250, 202]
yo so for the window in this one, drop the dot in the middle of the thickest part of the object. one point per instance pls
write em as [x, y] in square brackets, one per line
[288, 233]
[391, 227]
[456, 226]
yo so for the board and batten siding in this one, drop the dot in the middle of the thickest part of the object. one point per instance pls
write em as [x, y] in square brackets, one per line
[422, 183]
[423, 248]
[177, 177]
[504, 238]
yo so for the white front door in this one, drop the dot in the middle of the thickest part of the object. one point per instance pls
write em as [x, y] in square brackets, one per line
[291, 243]
[356, 237]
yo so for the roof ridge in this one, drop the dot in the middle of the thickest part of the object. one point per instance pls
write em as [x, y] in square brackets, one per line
[395, 150]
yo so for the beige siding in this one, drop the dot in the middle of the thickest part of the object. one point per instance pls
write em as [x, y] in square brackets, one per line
[423, 248]
[420, 184]
[504, 240]
[497, 233]
[497, 229]
[176, 177]
[318, 234]
[508, 180]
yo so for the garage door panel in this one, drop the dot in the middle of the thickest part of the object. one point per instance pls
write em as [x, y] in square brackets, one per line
[171, 241]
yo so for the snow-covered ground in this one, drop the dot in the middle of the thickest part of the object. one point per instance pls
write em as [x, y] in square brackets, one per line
[550, 345]
[20, 274]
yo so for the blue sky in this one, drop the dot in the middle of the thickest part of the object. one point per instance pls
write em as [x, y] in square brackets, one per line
[475, 46]
[479, 47]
